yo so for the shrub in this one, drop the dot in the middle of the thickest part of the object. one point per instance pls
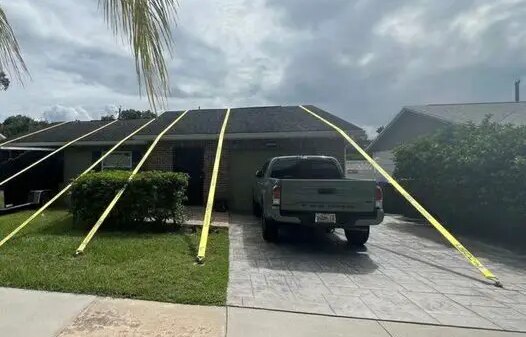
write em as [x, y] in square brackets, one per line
[469, 175]
[152, 197]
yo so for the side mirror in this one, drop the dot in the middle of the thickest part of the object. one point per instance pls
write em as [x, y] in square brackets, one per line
[259, 174]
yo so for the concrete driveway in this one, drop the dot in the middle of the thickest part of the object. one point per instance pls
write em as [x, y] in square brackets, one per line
[405, 273]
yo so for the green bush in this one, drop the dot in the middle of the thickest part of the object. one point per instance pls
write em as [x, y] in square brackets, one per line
[151, 198]
[471, 176]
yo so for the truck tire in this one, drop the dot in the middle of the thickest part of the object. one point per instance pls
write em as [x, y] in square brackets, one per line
[358, 236]
[256, 209]
[269, 229]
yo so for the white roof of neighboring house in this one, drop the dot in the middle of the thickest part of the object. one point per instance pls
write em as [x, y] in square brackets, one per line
[501, 112]
[2, 137]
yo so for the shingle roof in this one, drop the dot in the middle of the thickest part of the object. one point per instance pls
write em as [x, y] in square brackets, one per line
[248, 120]
[283, 119]
[66, 132]
[501, 112]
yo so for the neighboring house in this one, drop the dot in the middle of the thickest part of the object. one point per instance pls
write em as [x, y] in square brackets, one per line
[359, 169]
[253, 135]
[420, 120]
[2, 137]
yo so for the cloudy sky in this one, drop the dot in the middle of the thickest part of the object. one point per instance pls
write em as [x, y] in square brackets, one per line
[362, 60]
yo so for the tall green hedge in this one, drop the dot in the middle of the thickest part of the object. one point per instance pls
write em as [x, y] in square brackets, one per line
[151, 198]
[472, 176]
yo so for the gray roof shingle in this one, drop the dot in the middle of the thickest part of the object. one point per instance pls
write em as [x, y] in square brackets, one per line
[501, 112]
[203, 121]
[248, 120]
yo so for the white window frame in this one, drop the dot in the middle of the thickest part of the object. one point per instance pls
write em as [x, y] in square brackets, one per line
[128, 166]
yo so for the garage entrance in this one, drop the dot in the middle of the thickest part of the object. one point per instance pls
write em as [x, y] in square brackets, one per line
[190, 160]
[243, 167]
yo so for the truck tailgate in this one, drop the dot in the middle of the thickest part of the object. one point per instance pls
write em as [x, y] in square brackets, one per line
[340, 195]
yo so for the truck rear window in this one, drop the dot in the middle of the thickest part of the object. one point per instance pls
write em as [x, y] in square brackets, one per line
[295, 168]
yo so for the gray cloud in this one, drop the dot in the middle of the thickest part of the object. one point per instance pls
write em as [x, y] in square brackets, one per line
[362, 60]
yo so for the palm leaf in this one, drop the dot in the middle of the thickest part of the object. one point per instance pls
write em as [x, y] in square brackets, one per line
[10, 58]
[146, 25]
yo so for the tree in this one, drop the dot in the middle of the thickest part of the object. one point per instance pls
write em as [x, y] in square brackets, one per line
[136, 114]
[107, 118]
[468, 174]
[145, 24]
[19, 124]
[4, 81]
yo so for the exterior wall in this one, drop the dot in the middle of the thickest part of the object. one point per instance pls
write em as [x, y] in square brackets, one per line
[162, 157]
[406, 128]
[77, 159]
[243, 157]
[386, 160]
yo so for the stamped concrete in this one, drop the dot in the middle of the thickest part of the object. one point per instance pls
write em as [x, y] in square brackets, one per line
[405, 273]
[113, 317]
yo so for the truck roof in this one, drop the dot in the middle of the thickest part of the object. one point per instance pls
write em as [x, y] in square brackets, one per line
[304, 157]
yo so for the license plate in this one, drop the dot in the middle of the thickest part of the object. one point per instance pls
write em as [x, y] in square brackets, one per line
[325, 218]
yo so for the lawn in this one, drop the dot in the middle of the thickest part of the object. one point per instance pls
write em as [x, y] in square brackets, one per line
[150, 266]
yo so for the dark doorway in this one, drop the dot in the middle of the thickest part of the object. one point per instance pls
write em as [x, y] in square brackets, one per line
[191, 160]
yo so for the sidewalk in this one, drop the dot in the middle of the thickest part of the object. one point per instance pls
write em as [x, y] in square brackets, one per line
[27, 313]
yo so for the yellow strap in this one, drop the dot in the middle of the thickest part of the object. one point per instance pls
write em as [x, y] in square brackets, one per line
[54, 152]
[33, 133]
[65, 189]
[472, 259]
[211, 193]
[119, 194]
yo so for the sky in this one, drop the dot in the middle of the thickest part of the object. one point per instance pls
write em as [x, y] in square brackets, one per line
[361, 60]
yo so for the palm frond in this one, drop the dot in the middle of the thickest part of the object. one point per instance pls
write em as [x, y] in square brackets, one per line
[147, 26]
[11, 60]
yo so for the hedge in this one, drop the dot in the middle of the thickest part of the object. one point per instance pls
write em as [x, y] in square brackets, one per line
[151, 198]
[471, 176]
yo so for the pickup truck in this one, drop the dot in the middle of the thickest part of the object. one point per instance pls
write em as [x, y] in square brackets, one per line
[313, 191]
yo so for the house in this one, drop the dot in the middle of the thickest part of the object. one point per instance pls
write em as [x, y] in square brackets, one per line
[420, 120]
[253, 135]
[2, 137]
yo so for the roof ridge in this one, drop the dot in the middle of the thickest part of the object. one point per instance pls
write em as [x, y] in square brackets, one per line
[466, 103]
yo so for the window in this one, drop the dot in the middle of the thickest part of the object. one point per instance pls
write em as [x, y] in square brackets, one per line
[295, 168]
[118, 160]
[265, 167]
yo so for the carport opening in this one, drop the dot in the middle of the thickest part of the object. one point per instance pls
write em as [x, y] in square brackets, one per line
[190, 160]
[47, 175]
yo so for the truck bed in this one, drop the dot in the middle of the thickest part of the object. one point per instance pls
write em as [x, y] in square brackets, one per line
[328, 195]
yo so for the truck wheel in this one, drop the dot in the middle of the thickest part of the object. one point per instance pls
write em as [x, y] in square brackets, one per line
[256, 209]
[269, 229]
[358, 236]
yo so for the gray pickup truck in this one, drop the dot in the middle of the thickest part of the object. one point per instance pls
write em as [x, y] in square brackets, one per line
[313, 191]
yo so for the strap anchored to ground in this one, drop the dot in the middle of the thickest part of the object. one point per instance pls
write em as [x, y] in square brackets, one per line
[470, 257]
[55, 152]
[211, 193]
[113, 202]
[65, 189]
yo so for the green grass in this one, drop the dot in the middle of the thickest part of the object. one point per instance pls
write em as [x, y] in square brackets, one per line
[151, 266]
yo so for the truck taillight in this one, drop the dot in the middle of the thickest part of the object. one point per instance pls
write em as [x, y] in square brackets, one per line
[276, 195]
[379, 197]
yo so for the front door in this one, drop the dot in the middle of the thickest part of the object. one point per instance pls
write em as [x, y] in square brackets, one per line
[190, 161]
